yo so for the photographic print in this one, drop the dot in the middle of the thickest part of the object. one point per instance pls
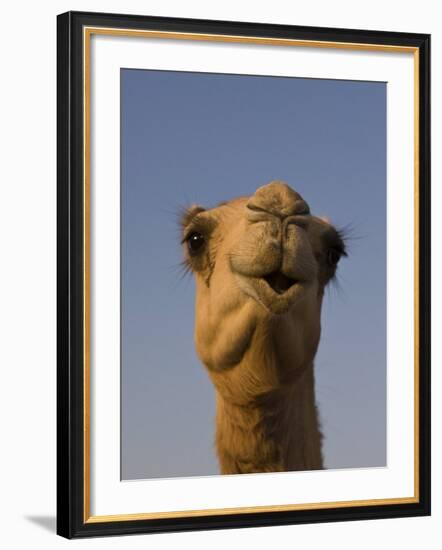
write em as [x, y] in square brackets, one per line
[276, 190]
[243, 274]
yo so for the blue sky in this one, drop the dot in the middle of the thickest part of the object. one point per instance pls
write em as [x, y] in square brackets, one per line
[196, 137]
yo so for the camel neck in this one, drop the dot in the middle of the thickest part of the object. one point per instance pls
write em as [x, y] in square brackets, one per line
[275, 431]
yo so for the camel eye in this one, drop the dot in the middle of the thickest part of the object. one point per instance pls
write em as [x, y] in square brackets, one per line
[333, 256]
[195, 242]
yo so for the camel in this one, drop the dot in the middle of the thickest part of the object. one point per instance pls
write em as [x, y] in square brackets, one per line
[261, 264]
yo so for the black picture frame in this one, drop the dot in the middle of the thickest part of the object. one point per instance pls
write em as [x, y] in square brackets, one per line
[71, 520]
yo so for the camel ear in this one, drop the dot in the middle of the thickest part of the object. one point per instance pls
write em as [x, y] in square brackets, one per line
[188, 214]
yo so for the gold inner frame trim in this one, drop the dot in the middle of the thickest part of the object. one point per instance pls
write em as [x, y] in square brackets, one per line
[245, 510]
[205, 37]
[87, 33]
[416, 274]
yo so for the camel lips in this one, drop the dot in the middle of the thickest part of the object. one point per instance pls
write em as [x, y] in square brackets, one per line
[279, 282]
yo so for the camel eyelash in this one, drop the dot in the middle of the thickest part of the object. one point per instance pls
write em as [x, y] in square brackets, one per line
[335, 240]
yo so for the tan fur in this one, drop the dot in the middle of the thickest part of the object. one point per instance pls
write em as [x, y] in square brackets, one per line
[257, 341]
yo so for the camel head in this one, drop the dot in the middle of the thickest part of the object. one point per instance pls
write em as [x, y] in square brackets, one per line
[260, 264]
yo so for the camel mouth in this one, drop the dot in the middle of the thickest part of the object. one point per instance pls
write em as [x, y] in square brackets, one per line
[276, 292]
[279, 282]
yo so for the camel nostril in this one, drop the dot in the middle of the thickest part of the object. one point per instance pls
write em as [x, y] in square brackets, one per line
[256, 213]
[255, 208]
[277, 199]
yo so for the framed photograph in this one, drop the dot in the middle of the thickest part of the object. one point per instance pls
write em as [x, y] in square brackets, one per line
[243, 274]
